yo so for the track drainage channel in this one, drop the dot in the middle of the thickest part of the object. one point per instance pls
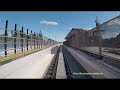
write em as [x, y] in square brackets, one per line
[73, 67]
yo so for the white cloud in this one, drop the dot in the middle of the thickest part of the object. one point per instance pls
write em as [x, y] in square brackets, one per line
[48, 22]
[87, 28]
[70, 28]
[118, 12]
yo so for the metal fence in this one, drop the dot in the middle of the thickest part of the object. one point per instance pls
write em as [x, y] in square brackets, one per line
[104, 39]
[19, 41]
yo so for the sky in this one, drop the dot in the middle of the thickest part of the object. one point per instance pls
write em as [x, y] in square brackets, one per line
[54, 24]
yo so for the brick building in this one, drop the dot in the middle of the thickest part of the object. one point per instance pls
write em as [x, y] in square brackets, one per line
[75, 37]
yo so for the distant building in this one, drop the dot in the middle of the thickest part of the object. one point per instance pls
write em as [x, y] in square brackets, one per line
[108, 31]
[75, 37]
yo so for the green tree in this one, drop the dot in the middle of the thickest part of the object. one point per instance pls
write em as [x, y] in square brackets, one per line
[40, 35]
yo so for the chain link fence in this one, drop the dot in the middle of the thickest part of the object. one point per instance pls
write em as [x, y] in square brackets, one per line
[18, 41]
[104, 39]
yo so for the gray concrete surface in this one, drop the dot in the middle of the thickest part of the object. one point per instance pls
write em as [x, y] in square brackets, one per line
[31, 66]
[61, 73]
[90, 66]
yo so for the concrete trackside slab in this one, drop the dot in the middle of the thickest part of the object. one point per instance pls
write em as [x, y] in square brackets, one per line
[31, 66]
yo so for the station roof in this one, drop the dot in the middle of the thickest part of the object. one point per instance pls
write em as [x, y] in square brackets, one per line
[74, 31]
[94, 29]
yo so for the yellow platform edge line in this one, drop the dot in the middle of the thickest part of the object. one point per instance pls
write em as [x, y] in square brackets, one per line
[19, 55]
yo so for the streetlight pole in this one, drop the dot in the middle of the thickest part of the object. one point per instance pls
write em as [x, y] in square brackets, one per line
[100, 38]
[83, 41]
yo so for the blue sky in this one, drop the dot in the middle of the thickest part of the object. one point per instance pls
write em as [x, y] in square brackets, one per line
[54, 23]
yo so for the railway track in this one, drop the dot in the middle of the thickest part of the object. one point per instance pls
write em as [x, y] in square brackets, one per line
[107, 59]
[73, 67]
[107, 66]
[51, 72]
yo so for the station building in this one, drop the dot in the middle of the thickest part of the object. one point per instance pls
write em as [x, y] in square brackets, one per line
[75, 37]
